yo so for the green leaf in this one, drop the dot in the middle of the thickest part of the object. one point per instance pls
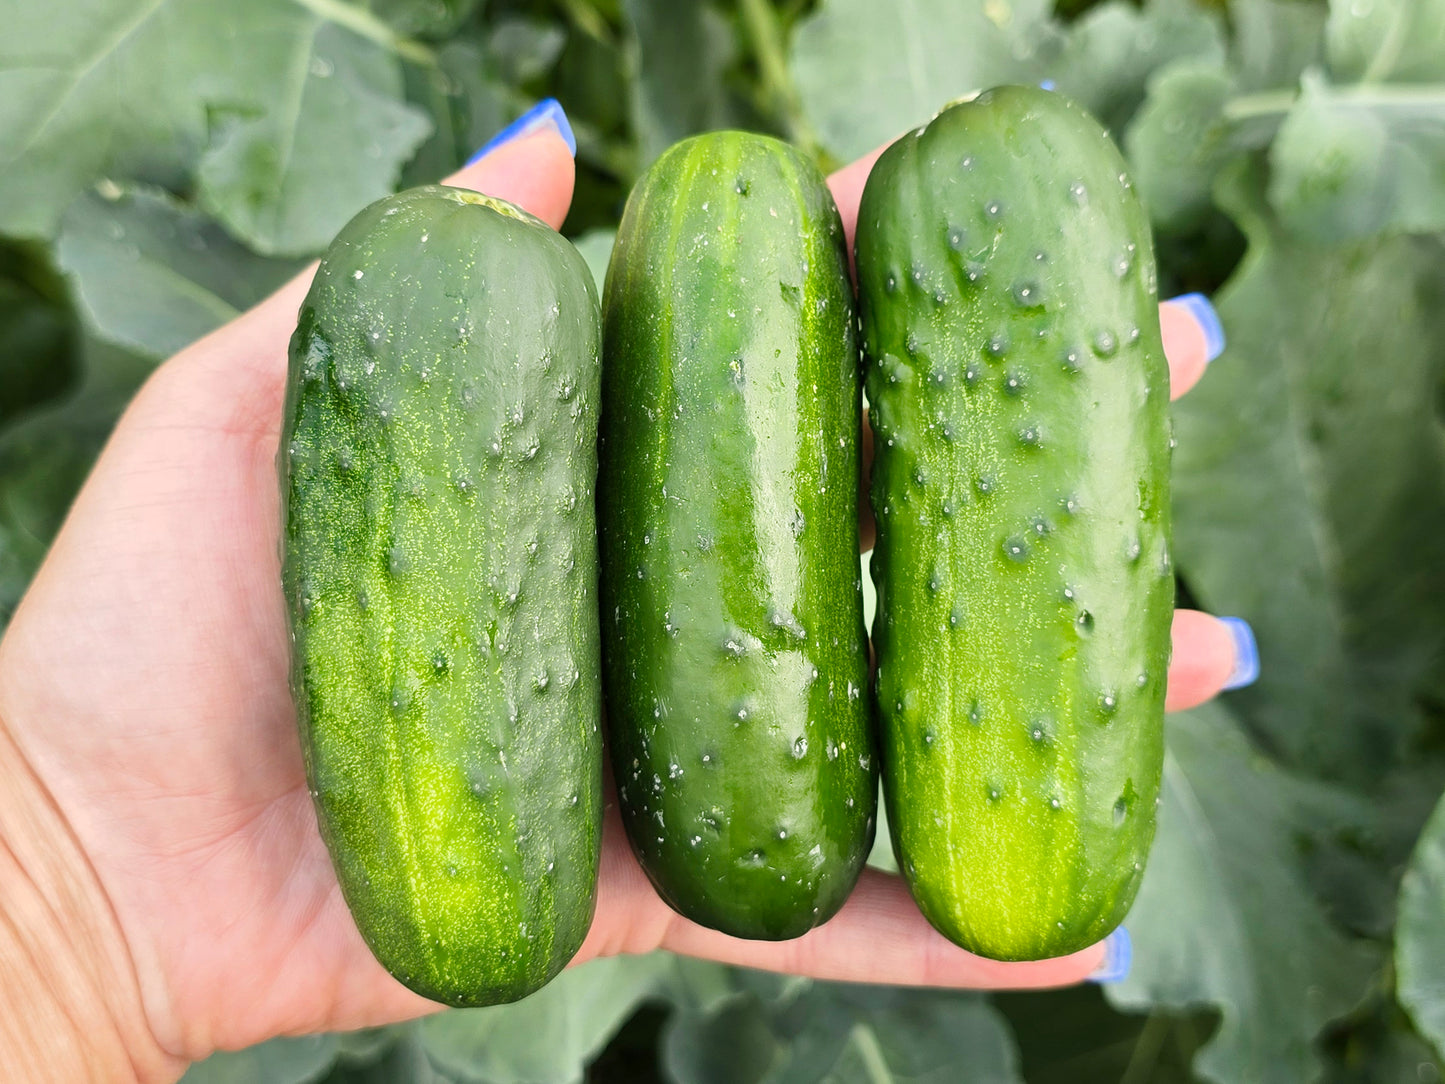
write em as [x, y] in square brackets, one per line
[680, 53]
[596, 249]
[286, 179]
[733, 1043]
[126, 88]
[1179, 141]
[280, 1061]
[427, 18]
[525, 49]
[468, 104]
[1377, 41]
[1352, 163]
[551, 1035]
[400, 1061]
[1275, 41]
[1420, 934]
[866, 71]
[842, 1034]
[38, 341]
[46, 455]
[1225, 916]
[154, 275]
[1071, 1035]
[1113, 49]
[1309, 487]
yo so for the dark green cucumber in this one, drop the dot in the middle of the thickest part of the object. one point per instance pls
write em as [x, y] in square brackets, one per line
[1019, 399]
[439, 458]
[735, 657]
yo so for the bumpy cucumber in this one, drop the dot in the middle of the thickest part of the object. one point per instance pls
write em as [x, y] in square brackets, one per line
[438, 461]
[734, 653]
[1018, 394]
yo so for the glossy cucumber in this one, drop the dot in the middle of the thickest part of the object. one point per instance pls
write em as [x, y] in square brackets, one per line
[439, 458]
[734, 654]
[1019, 400]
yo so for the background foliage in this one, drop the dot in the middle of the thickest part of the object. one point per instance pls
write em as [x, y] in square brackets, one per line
[164, 163]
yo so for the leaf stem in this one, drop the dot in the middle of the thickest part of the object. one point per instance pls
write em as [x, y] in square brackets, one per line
[366, 25]
[777, 86]
[1383, 95]
[1383, 62]
[1146, 1050]
[868, 1050]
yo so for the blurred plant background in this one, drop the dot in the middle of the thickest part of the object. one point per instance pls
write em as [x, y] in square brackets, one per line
[165, 163]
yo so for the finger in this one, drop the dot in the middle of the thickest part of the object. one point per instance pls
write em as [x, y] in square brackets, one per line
[847, 187]
[879, 936]
[1193, 337]
[1211, 654]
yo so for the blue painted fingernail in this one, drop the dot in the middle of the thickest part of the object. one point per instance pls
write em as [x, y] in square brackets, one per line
[1246, 653]
[1047, 84]
[547, 112]
[1204, 315]
[1118, 955]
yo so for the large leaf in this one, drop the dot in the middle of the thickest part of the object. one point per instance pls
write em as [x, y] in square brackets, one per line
[552, 1035]
[1275, 41]
[285, 179]
[46, 455]
[1354, 162]
[1376, 41]
[468, 105]
[38, 344]
[1112, 50]
[1179, 141]
[1225, 916]
[280, 1061]
[681, 52]
[808, 1033]
[1363, 151]
[596, 249]
[1309, 487]
[127, 88]
[153, 275]
[867, 71]
[1072, 1035]
[1420, 936]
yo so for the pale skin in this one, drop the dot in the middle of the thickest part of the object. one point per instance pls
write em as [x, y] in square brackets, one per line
[163, 889]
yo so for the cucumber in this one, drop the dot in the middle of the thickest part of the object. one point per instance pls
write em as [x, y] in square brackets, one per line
[734, 653]
[439, 459]
[1018, 395]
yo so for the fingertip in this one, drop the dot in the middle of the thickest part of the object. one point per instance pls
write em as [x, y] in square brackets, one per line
[1117, 960]
[1202, 311]
[547, 114]
[1246, 653]
[535, 171]
[1206, 654]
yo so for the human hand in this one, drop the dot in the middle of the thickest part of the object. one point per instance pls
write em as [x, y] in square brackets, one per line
[166, 890]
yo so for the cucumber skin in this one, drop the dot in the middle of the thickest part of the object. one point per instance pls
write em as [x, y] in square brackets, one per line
[735, 656]
[440, 423]
[1019, 398]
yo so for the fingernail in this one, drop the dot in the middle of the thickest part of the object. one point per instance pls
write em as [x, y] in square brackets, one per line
[547, 112]
[1204, 315]
[1118, 955]
[1246, 653]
